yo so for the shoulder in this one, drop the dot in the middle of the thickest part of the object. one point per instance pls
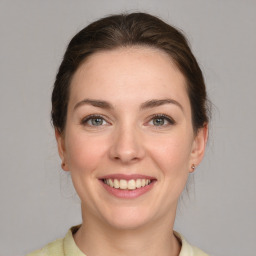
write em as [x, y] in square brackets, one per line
[188, 249]
[60, 247]
[52, 249]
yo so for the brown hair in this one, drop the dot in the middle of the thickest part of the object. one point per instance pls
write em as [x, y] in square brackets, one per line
[129, 30]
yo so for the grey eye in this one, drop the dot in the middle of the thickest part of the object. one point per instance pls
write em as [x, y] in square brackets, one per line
[161, 120]
[93, 121]
[158, 121]
[97, 121]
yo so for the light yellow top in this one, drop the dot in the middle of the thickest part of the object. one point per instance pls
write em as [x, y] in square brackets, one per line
[67, 247]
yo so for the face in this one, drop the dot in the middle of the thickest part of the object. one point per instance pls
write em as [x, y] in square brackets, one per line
[129, 142]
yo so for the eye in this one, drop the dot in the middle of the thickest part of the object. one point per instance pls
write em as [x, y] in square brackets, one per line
[161, 120]
[94, 120]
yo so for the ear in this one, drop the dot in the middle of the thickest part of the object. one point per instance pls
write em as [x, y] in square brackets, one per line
[198, 147]
[61, 149]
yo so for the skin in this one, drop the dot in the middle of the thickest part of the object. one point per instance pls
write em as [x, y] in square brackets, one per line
[128, 140]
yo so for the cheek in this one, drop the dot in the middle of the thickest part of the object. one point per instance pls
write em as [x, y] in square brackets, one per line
[85, 152]
[171, 153]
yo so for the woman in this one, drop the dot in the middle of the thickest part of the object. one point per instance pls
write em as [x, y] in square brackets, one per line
[129, 108]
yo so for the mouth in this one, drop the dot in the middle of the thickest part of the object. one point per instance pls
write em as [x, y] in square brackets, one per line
[131, 184]
[128, 186]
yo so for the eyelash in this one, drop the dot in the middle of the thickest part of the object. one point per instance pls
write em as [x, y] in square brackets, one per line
[91, 117]
[165, 118]
[152, 118]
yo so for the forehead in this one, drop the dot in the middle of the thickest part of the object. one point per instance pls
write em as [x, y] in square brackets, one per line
[128, 73]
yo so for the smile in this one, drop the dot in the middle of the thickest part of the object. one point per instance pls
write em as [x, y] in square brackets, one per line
[127, 184]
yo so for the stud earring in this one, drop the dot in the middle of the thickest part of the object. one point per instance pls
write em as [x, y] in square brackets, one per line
[193, 167]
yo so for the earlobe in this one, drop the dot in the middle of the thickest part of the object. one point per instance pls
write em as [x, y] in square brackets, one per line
[198, 148]
[193, 167]
[61, 149]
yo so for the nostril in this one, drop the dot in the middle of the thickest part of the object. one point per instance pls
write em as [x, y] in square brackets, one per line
[126, 156]
[126, 146]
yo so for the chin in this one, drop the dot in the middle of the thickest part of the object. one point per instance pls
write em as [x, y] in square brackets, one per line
[127, 218]
[127, 223]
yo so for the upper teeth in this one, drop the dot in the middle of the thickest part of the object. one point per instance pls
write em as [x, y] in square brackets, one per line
[127, 184]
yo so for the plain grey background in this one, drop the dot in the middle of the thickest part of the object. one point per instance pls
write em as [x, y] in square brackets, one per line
[37, 200]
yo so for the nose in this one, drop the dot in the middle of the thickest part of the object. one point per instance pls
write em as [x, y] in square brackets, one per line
[127, 145]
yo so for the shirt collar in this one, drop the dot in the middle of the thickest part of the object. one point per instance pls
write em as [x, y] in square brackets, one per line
[70, 247]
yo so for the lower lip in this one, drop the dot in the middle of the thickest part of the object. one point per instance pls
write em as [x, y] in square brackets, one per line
[126, 193]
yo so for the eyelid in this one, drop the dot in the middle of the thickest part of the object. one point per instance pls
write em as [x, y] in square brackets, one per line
[169, 119]
[87, 118]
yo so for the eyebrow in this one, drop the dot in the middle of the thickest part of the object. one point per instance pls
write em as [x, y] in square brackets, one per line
[95, 103]
[156, 103]
[148, 104]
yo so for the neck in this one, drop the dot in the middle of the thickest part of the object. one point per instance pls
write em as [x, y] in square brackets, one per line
[153, 239]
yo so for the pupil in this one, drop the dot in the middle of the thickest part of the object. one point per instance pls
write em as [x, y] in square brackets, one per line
[97, 121]
[158, 121]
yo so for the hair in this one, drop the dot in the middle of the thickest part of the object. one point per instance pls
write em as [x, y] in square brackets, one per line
[124, 30]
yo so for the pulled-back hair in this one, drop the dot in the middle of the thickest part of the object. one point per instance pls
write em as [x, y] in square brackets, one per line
[124, 30]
